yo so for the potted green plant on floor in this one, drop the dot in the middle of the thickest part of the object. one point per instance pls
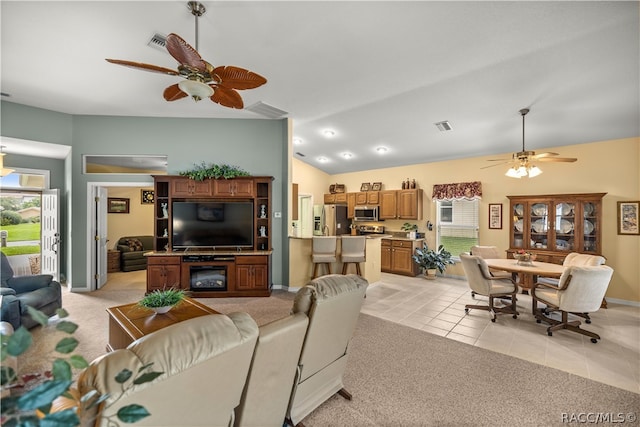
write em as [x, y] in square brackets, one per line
[161, 301]
[432, 260]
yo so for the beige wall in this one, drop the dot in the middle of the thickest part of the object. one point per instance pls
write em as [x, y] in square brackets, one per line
[310, 180]
[610, 167]
[139, 220]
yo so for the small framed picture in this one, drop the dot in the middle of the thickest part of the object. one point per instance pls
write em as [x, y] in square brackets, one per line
[628, 213]
[146, 197]
[366, 186]
[117, 205]
[495, 216]
[376, 186]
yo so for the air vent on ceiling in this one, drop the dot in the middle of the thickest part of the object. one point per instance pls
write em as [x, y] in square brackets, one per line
[266, 110]
[443, 126]
[158, 41]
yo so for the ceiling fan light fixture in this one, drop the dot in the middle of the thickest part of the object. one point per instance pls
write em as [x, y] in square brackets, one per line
[195, 89]
[534, 171]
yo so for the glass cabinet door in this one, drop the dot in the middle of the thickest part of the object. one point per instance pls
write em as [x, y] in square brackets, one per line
[539, 218]
[565, 224]
[518, 226]
[590, 221]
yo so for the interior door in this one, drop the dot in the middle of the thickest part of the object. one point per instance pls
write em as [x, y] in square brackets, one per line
[50, 234]
[99, 248]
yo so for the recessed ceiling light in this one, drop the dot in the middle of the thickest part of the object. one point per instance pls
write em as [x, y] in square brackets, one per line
[443, 126]
[347, 155]
[382, 150]
[323, 159]
[328, 133]
[297, 141]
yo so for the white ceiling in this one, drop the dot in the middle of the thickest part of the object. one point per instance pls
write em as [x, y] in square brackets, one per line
[378, 73]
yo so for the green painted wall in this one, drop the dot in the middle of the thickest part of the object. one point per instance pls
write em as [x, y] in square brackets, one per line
[258, 146]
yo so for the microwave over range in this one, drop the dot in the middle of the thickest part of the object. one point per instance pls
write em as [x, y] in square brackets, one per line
[365, 213]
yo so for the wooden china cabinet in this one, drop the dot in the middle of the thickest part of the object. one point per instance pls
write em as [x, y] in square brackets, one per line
[552, 226]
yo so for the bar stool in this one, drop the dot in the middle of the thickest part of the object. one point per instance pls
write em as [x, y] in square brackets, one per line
[353, 252]
[323, 251]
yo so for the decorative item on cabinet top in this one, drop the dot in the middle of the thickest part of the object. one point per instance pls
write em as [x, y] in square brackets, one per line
[376, 186]
[336, 188]
[366, 186]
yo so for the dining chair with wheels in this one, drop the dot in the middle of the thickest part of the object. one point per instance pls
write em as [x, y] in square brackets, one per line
[483, 283]
[575, 259]
[489, 252]
[580, 290]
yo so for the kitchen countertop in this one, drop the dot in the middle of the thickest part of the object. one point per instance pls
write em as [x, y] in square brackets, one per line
[368, 236]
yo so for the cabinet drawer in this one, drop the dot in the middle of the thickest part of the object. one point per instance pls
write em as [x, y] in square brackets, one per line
[402, 244]
[251, 259]
[386, 242]
[163, 260]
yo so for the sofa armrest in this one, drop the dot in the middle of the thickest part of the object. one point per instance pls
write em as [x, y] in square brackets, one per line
[10, 310]
[23, 284]
[7, 291]
[123, 248]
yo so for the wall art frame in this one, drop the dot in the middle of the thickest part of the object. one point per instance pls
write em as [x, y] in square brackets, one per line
[117, 205]
[628, 218]
[495, 216]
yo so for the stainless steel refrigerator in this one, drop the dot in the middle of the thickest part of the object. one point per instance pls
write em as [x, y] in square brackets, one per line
[330, 220]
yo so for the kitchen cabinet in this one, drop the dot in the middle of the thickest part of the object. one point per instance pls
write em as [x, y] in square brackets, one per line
[397, 256]
[351, 205]
[551, 226]
[401, 204]
[335, 199]
[367, 198]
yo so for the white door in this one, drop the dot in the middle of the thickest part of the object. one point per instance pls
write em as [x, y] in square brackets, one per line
[99, 248]
[50, 234]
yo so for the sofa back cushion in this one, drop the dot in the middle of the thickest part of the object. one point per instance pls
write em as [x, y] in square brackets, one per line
[144, 243]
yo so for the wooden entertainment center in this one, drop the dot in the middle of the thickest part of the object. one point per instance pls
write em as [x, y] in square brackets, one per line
[216, 271]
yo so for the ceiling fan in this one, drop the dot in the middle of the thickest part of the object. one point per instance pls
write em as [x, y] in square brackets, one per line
[201, 79]
[523, 160]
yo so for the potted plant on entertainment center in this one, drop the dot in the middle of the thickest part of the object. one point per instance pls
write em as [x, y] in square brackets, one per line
[432, 260]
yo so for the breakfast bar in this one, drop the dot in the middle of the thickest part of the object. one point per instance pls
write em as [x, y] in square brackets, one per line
[301, 267]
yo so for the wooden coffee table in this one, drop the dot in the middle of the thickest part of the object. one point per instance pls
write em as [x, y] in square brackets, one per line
[129, 322]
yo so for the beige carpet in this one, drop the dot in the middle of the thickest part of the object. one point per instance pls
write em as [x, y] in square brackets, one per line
[399, 376]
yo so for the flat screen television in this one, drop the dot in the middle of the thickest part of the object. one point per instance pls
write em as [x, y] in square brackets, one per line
[212, 225]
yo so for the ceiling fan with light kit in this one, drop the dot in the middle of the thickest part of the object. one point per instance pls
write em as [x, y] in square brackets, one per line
[523, 161]
[201, 79]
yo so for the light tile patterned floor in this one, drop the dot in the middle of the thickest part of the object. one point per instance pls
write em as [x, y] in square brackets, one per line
[437, 307]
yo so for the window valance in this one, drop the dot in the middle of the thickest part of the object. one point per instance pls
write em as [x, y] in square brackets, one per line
[458, 191]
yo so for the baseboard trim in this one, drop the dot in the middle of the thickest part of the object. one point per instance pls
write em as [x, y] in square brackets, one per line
[623, 301]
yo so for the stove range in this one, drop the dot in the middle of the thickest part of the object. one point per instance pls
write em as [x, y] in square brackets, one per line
[371, 229]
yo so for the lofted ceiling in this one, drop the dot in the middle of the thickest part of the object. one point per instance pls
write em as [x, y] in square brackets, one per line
[378, 73]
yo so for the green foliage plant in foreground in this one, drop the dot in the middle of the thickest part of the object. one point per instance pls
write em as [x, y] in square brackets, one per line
[162, 298]
[32, 408]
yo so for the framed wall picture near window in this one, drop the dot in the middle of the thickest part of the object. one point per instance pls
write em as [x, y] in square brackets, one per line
[495, 216]
[628, 215]
[117, 205]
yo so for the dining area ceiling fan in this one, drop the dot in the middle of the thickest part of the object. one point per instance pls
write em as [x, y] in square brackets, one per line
[200, 79]
[523, 162]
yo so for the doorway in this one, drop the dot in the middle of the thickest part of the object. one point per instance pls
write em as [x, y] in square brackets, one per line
[106, 227]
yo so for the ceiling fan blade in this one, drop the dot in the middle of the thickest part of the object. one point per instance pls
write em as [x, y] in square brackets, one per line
[557, 159]
[498, 160]
[226, 97]
[184, 53]
[237, 78]
[143, 67]
[173, 93]
[541, 155]
[496, 164]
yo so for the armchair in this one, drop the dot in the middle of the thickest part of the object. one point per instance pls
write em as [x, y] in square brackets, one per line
[483, 283]
[205, 361]
[132, 250]
[580, 290]
[38, 291]
[332, 303]
[490, 252]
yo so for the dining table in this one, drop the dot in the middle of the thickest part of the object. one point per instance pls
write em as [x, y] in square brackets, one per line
[528, 272]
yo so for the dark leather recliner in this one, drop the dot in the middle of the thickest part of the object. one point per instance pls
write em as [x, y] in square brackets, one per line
[38, 291]
[132, 255]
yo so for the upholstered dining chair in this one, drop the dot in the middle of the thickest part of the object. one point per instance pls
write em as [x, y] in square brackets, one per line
[483, 283]
[490, 252]
[580, 290]
[574, 259]
[353, 252]
[323, 252]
